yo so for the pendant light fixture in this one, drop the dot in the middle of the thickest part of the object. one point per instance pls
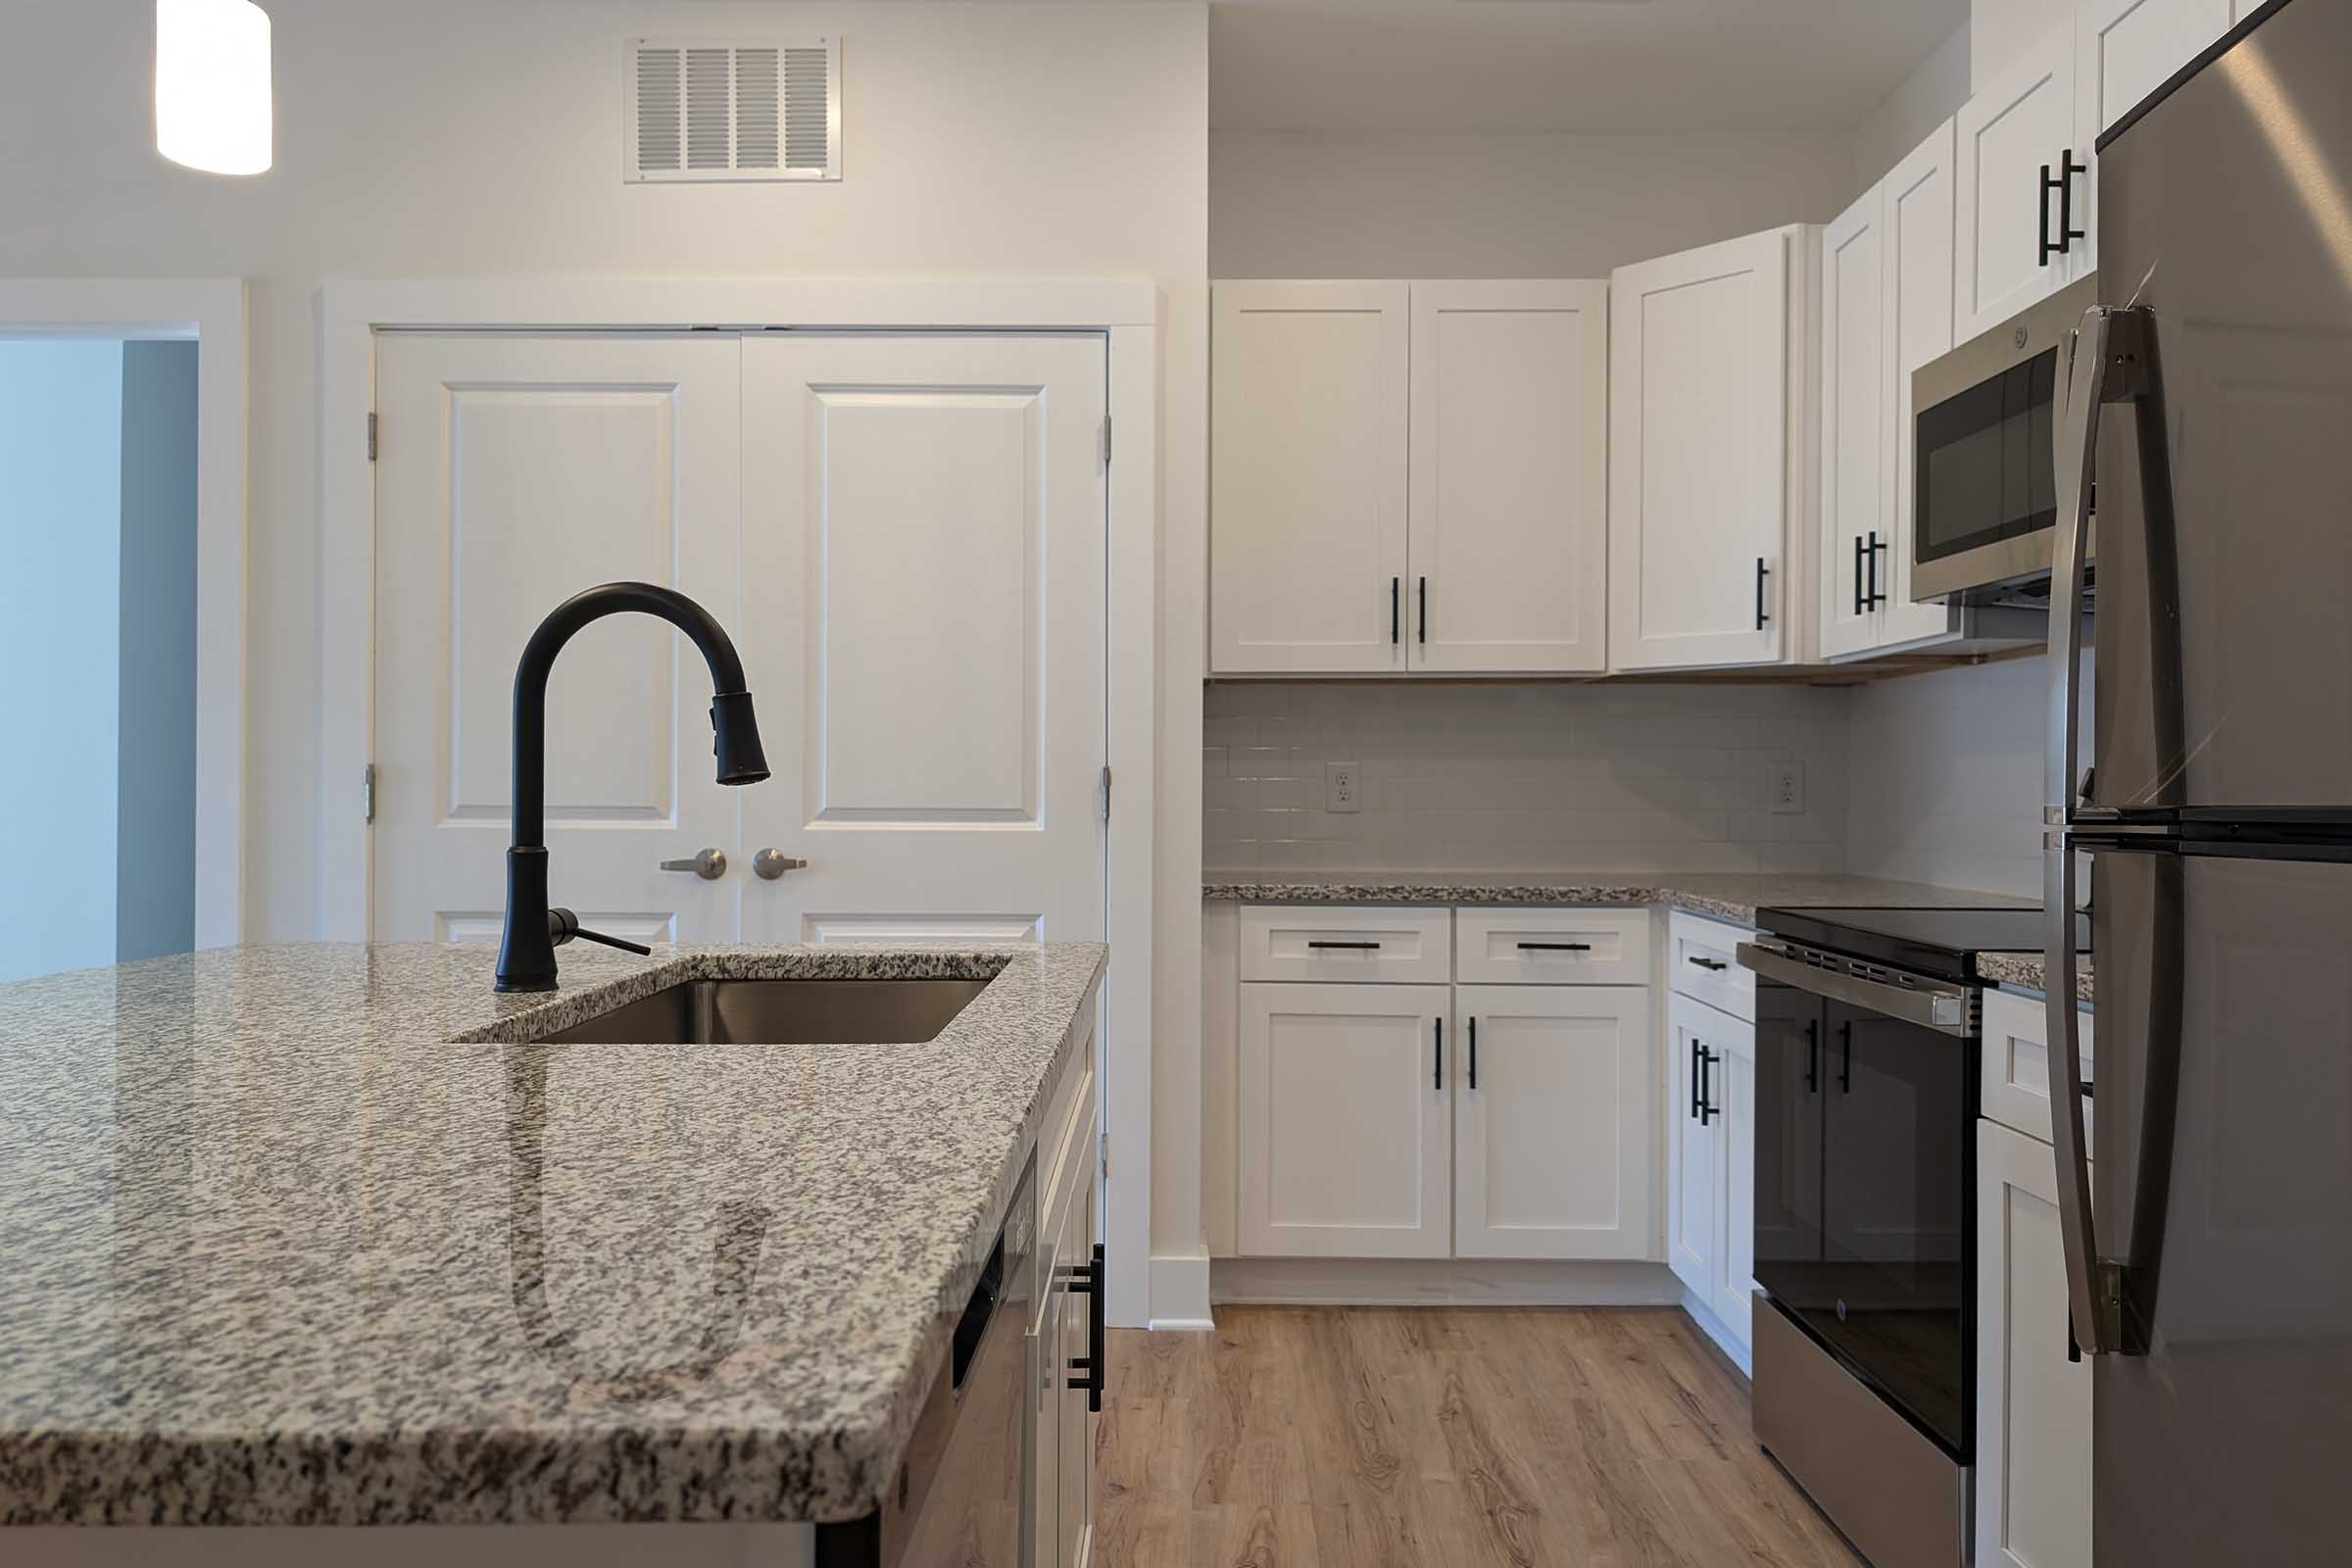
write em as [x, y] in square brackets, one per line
[211, 84]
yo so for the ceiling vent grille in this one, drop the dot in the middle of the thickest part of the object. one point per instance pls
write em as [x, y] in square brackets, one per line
[702, 110]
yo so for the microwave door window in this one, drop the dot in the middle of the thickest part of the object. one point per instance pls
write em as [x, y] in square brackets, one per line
[1959, 501]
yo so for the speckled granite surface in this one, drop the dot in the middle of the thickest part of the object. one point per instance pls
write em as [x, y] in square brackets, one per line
[2025, 971]
[1731, 897]
[274, 1250]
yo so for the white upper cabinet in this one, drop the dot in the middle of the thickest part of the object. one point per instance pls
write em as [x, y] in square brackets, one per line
[2124, 51]
[1509, 477]
[2015, 129]
[1700, 428]
[1307, 489]
[1918, 249]
[1856, 536]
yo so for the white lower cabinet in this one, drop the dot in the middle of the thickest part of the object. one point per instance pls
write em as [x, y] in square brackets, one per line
[1553, 1116]
[1345, 1121]
[2034, 1402]
[1062, 1418]
[1710, 1160]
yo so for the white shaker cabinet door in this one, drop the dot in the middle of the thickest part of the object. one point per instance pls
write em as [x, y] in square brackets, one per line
[2033, 1422]
[1918, 252]
[1509, 472]
[1855, 531]
[1553, 1118]
[2124, 51]
[1347, 1132]
[1732, 1093]
[1693, 1149]
[1307, 489]
[1699, 450]
[2015, 128]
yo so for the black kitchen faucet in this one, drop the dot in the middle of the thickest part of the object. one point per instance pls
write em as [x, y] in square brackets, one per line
[526, 952]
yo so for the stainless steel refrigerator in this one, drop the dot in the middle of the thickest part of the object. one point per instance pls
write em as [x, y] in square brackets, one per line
[2207, 435]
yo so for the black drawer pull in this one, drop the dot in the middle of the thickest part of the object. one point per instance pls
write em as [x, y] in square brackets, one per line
[1474, 1056]
[1086, 1280]
[1762, 572]
[1437, 1056]
[1395, 611]
[1708, 1110]
[1423, 634]
[1711, 964]
[1352, 947]
[1555, 947]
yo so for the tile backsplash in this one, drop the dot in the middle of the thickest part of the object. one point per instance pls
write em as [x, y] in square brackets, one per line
[1531, 777]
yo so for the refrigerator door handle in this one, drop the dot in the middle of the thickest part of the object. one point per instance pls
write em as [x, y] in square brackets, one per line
[2108, 366]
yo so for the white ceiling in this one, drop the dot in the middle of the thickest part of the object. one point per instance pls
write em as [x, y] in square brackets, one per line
[1562, 65]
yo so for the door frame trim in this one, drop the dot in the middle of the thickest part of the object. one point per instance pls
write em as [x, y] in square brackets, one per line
[212, 311]
[1132, 314]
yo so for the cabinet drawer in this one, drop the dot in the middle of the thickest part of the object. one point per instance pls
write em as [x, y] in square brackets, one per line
[2016, 1087]
[1701, 961]
[1341, 942]
[1551, 947]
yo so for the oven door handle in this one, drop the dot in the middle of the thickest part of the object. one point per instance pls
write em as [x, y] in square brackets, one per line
[1943, 1008]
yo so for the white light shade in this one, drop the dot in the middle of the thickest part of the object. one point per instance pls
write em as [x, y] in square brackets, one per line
[211, 84]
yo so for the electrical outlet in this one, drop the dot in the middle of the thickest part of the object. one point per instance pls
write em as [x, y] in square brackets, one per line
[1788, 788]
[1340, 791]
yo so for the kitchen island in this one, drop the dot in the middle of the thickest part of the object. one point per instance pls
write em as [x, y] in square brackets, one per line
[312, 1236]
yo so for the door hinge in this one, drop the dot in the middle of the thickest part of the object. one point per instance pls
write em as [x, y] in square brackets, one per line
[1106, 795]
[1102, 1153]
[367, 792]
[371, 436]
[1106, 440]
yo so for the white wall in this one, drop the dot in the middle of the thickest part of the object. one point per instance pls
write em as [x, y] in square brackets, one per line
[1928, 97]
[465, 138]
[1534, 777]
[1298, 205]
[60, 497]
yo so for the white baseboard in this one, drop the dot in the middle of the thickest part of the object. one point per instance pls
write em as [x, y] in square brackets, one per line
[1730, 1344]
[1180, 1292]
[1439, 1282]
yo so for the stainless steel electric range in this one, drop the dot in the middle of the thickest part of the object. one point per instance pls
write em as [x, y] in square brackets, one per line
[1867, 1043]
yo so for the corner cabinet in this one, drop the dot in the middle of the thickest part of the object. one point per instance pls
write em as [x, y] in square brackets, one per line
[1710, 421]
[1409, 478]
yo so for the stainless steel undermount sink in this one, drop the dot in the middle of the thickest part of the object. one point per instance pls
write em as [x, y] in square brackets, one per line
[780, 1012]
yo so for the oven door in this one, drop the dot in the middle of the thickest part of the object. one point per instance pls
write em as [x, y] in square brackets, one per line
[1865, 1178]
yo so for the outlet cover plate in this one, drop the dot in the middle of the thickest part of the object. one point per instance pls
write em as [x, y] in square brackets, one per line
[1785, 788]
[1343, 787]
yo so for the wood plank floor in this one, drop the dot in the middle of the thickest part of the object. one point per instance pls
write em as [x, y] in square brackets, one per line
[1427, 1438]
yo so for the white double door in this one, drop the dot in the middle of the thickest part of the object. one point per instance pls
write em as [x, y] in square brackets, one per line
[904, 535]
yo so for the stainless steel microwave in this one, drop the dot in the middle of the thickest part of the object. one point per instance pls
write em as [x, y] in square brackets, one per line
[1985, 455]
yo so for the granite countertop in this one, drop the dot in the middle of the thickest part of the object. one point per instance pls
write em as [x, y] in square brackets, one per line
[274, 1250]
[2025, 971]
[1724, 896]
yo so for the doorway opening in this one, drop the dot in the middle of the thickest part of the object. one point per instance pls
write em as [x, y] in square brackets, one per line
[98, 522]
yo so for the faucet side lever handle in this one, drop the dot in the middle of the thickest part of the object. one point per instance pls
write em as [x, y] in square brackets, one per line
[562, 926]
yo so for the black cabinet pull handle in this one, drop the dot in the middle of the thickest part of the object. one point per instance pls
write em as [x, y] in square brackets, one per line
[1861, 604]
[1086, 1280]
[1352, 947]
[1395, 611]
[1708, 1110]
[1876, 550]
[1762, 571]
[1474, 1056]
[1697, 1094]
[1423, 634]
[1437, 1056]
[1555, 947]
[2063, 183]
[1812, 1057]
[1845, 1064]
[1711, 964]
